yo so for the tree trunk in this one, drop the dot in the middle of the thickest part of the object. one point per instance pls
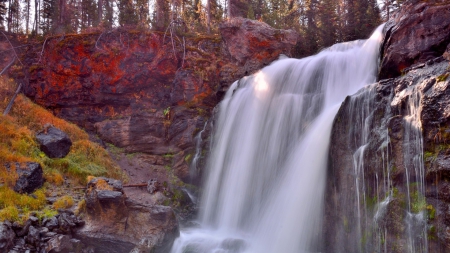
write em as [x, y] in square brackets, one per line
[28, 16]
[208, 15]
[9, 15]
[160, 14]
[62, 11]
[100, 11]
[37, 15]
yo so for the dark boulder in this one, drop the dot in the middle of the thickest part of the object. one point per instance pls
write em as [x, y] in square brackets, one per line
[54, 142]
[67, 221]
[33, 237]
[418, 32]
[30, 176]
[6, 237]
[51, 223]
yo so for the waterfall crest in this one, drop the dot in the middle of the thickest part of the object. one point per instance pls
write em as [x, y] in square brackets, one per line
[265, 176]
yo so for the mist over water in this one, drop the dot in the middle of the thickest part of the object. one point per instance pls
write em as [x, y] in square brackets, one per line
[266, 173]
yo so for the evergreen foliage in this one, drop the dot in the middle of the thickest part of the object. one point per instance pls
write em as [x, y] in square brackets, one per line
[2, 13]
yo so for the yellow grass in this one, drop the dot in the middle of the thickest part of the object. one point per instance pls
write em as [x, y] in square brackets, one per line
[63, 203]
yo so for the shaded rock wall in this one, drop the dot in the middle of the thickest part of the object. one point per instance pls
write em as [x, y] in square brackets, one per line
[418, 32]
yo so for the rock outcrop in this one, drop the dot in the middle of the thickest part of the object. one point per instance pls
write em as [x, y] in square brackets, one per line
[418, 32]
[117, 224]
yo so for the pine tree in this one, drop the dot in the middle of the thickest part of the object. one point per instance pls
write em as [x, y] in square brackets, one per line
[2, 14]
[127, 13]
[239, 8]
[48, 11]
[88, 13]
[363, 16]
[26, 13]
[327, 22]
[14, 16]
[109, 14]
[142, 9]
[311, 38]
[161, 15]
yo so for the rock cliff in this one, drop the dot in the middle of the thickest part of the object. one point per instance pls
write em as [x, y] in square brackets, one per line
[148, 92]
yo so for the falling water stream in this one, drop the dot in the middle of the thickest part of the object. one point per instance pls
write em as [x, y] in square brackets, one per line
[265, 175]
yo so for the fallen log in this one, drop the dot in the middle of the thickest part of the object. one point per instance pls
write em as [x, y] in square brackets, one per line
[127, 185]
[8, 108]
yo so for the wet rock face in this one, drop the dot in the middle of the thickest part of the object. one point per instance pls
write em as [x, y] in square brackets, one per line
[115, 223]
[420, 31]
[30, 176]
[54, 142]
[380, 203]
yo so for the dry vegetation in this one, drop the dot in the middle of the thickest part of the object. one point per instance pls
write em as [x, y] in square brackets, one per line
[17, 144]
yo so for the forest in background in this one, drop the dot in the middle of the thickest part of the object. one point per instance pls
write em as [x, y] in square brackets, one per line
[320, 23]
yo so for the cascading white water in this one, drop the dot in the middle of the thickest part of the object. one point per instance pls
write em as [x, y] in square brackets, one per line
[414, 169]
[266, 171]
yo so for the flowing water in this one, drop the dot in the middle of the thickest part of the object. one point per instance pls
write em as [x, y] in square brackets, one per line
[267, 168]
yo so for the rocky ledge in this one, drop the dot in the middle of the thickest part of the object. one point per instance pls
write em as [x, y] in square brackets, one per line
[117, 224]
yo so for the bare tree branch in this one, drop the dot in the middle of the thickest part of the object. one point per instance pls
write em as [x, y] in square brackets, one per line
[9, 65]
[98, 40]
[42, 51]
[8, 108]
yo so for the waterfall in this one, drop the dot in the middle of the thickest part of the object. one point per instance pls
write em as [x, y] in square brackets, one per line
[265, 175]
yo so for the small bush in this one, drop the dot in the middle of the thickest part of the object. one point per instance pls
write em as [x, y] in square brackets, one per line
[10, 213]
[46, 213]
[63, 203]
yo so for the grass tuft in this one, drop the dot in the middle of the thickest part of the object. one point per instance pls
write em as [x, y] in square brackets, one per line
[63, 203]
